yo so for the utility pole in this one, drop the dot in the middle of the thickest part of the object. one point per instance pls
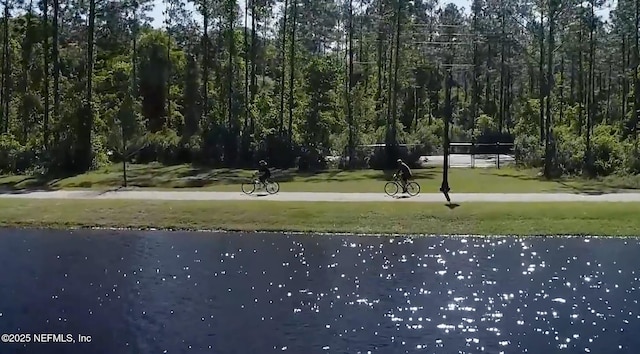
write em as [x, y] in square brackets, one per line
[451, 36]
[448, 109]
[449, 42]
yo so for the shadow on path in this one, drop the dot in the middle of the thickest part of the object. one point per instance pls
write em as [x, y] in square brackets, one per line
[259, 195]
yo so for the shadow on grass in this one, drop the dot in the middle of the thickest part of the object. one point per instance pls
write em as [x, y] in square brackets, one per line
[187, 176]
[589, 189]
[204, 177]
[572, 185]
[522, 177]
[178, 176]
[452, 205]
[36, 183]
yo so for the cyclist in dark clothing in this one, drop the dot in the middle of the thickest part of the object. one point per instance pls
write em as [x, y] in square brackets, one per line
[264, 173]
[404, 172]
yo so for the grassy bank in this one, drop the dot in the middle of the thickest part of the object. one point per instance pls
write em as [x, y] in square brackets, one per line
[470, 218]
[461, 180]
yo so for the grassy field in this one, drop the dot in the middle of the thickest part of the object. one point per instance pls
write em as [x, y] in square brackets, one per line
[470, 218]
[461, 180]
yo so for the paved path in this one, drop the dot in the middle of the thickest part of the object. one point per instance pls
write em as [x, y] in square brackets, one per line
[328, 197]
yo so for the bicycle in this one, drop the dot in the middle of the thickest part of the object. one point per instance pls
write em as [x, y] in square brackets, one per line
[271, 187]
[392, 187]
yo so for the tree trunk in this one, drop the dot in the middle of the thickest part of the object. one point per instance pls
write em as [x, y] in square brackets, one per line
[350, 88]
[254, 64]
[6, 82]
[475, 95]
[231, 143]
[291, 73]
[205, 62]
[56, 62]
[254, 51]
[487, 88]
[608, 114]
[542, 79]
[572, 81]
[26, 61]
[389, 105]
[380, 65]
[87, 120]
[283, 56]
[134, 53]
[581, 88]
[168, 82]
[636, 63]
[561, 108]
[502, 69]
[509, 99]
[45, 45]
[247, 103]
[625, 82]
[591, 88]
[394, 102]
[230, 77]
[547, 145]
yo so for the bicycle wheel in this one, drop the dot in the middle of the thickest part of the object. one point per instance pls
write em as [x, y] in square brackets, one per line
[248, 187]
[273, 187]
[413, 188]
[391, 188]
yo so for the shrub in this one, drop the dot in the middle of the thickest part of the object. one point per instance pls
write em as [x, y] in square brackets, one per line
[312, 159]
[607, 151]
[162, 146]
[528, 151]
[569, 148]
[631, 158]
[99, 152]
[13, 155]
[380, 159]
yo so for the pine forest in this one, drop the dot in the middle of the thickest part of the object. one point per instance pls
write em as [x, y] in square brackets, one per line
[225, 83]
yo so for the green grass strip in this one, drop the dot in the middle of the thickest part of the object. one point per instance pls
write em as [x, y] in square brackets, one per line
[613, 219]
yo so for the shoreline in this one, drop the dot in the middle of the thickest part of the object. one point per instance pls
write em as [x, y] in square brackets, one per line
[390, 236]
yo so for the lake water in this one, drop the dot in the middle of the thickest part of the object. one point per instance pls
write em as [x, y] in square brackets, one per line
[178, 292]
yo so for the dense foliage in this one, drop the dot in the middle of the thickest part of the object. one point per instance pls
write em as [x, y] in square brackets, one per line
[293, 81]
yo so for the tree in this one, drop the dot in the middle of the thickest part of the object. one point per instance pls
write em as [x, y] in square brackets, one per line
[128, 137]
[84, 152]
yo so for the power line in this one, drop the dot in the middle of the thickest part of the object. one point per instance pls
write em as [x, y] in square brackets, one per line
[447, 43]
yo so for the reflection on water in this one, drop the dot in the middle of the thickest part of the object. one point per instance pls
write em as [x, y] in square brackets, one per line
[154, 292]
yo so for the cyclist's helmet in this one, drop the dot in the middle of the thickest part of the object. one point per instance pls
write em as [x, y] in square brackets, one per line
[263, 163]
[399, 160]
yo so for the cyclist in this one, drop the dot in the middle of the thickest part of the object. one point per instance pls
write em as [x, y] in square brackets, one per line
[263, 172]
[404, 172]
